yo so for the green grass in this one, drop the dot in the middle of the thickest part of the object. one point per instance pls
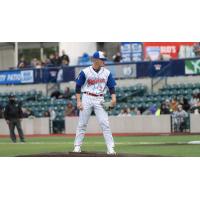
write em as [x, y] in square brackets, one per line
[151, 145]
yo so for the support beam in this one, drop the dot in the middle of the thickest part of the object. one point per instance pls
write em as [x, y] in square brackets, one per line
[16, 53]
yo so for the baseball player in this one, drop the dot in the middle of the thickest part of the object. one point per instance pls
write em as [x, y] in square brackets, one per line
[93, 82]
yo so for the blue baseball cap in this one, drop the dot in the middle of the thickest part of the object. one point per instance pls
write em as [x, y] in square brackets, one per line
[99, 55]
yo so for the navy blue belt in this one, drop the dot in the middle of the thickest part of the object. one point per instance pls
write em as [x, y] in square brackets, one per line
[94, 95]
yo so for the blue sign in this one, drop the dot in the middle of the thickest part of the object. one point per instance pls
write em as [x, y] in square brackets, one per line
[131, 51]
[16, 77]
[137, 51]
[160, 68]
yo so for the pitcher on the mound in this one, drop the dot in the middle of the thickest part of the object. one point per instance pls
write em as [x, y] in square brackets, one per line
[93, 82]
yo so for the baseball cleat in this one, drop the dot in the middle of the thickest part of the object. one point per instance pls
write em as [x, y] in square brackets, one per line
[111, 151]
[77, 149]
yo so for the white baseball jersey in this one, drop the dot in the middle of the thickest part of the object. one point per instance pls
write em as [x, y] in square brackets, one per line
[95, 82]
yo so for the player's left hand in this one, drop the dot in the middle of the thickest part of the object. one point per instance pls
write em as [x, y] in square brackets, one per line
[106, 105]
[113, 100]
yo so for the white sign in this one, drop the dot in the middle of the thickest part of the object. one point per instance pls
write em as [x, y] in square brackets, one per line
[27, 76]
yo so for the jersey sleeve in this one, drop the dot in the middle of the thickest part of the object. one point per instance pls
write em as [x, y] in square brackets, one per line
[81, 79]
[111, 81]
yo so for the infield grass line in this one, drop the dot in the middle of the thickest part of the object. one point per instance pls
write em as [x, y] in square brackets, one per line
[100, 143]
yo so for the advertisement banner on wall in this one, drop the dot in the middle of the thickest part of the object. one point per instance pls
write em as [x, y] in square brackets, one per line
[118, 71]
[137, 51]
[124, 71]
[27, 76]
[16, 77]
[161, 68]
[131, 51]
[126, 47]
[126, 57]
[153, 50]
[192, 66]
[58, 74]
[126, 52]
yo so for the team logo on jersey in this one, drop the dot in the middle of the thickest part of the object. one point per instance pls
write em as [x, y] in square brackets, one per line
[95, 81]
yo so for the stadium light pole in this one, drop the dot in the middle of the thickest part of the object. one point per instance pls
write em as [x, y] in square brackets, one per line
[16, 53]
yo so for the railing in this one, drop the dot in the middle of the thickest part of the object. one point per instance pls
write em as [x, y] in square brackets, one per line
[159, 69]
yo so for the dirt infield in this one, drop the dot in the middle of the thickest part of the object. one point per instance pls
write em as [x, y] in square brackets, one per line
[86, 154]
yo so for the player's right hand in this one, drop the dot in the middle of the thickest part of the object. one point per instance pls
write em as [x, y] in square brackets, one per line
[113, 103]
[79, 105]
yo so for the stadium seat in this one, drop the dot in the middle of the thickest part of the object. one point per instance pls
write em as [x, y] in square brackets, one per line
[127, 97]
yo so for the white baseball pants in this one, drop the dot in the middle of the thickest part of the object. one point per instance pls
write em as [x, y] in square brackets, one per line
[93, 103]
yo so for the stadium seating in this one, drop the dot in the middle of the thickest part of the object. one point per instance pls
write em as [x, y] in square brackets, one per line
[127, 97]
[37, 102]
[137, 96]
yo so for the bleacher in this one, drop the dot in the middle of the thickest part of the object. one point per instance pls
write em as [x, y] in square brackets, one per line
[38, 103]
[127, 97]
[138, 96]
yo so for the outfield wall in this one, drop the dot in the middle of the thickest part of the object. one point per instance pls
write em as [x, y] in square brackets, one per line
[23, 88]
[138, 124]
[194, 124]
[143, 124]
[30, 126]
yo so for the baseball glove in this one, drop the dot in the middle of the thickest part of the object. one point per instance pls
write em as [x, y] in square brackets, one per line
[107, 105]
